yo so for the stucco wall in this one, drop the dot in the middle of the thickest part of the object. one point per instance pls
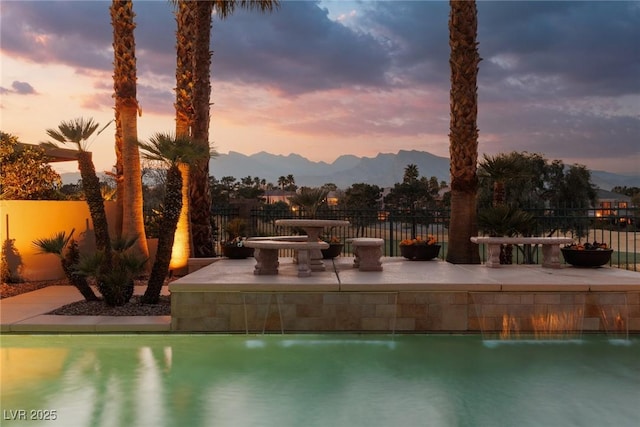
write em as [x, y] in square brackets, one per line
[24, 221]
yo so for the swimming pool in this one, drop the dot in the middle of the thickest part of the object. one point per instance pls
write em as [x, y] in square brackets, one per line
[313, 380]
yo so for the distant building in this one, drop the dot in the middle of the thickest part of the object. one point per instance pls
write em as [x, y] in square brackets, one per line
[332, 198]
[278, 195]
[614, 206]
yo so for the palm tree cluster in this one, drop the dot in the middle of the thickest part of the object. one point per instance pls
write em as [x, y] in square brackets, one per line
[190, 145]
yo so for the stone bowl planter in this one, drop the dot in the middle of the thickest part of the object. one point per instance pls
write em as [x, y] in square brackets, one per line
[237, 252]
[587, 257]
[419, 252]
[333, 251]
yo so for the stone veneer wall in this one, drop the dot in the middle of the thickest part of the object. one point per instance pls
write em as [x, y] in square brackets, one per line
[403, 311]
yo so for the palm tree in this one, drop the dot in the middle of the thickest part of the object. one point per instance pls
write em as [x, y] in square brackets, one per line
[185, 46]
[78, 131]
[173, 151]
[282, 181]
[128, 170]
[500, 168]
[193, 93]
[463, 138]
[56, 245]
[115, 278]
[291, 183]
[199, 191]
[310, 200]
[411, 173]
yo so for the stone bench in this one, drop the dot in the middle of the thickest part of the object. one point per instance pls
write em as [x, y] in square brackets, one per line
[550, 248]
[296, 238]
[368, 252]
[266, 255]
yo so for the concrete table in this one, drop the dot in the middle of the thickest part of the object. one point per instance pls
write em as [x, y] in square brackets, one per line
[313, 228]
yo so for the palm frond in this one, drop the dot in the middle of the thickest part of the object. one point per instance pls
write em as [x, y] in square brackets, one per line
[171, 150]
[123, 243]
[76, 131]
[224, 8]
[54, 244]
[90, 265]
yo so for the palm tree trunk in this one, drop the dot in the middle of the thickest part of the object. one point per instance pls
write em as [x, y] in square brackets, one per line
[133, 214]
[168, 225]
[185, 57]
[118, 174]
[182, 248]
[462, 225]
[185, 48]
[463, 138]
[199, 194]
[124, 84]
[91, 186]
[69, 260]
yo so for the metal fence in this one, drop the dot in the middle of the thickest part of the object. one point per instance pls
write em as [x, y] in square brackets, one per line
[583, 225]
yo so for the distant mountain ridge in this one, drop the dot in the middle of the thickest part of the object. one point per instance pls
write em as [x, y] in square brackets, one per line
[384, 170]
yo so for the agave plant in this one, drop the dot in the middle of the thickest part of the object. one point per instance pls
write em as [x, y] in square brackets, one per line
[115, 280]
[56, 245]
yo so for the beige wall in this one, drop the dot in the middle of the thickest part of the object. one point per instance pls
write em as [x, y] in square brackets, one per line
[24, 221]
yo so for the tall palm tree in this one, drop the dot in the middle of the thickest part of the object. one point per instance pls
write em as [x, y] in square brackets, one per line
[193, 93]
[128, 169]
[78, 131]
[463, 137]
[185, 57]
[199, 191]
[173, 151]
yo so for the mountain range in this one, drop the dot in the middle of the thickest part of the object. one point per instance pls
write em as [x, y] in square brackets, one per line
[384, 170]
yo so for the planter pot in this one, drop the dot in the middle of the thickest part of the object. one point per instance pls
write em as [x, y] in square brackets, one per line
[237, 252]
[587, 258]
[419, 252]
[332, 251]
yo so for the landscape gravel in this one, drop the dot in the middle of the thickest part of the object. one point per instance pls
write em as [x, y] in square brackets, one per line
[91, 308]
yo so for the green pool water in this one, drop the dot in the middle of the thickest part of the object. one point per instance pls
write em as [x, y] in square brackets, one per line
[311, 380]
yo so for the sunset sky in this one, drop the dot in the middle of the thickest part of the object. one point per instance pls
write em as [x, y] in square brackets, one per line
[327, 78]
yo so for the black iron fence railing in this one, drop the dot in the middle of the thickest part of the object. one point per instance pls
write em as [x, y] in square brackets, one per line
[583, 225]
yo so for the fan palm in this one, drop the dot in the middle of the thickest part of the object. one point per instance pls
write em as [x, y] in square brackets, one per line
[310, 199]
[116, 282]
[172, 151]
[56, 245]
[500, 168]
[77, 132]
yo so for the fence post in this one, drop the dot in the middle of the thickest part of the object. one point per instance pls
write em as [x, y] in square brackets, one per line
[391, 237]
